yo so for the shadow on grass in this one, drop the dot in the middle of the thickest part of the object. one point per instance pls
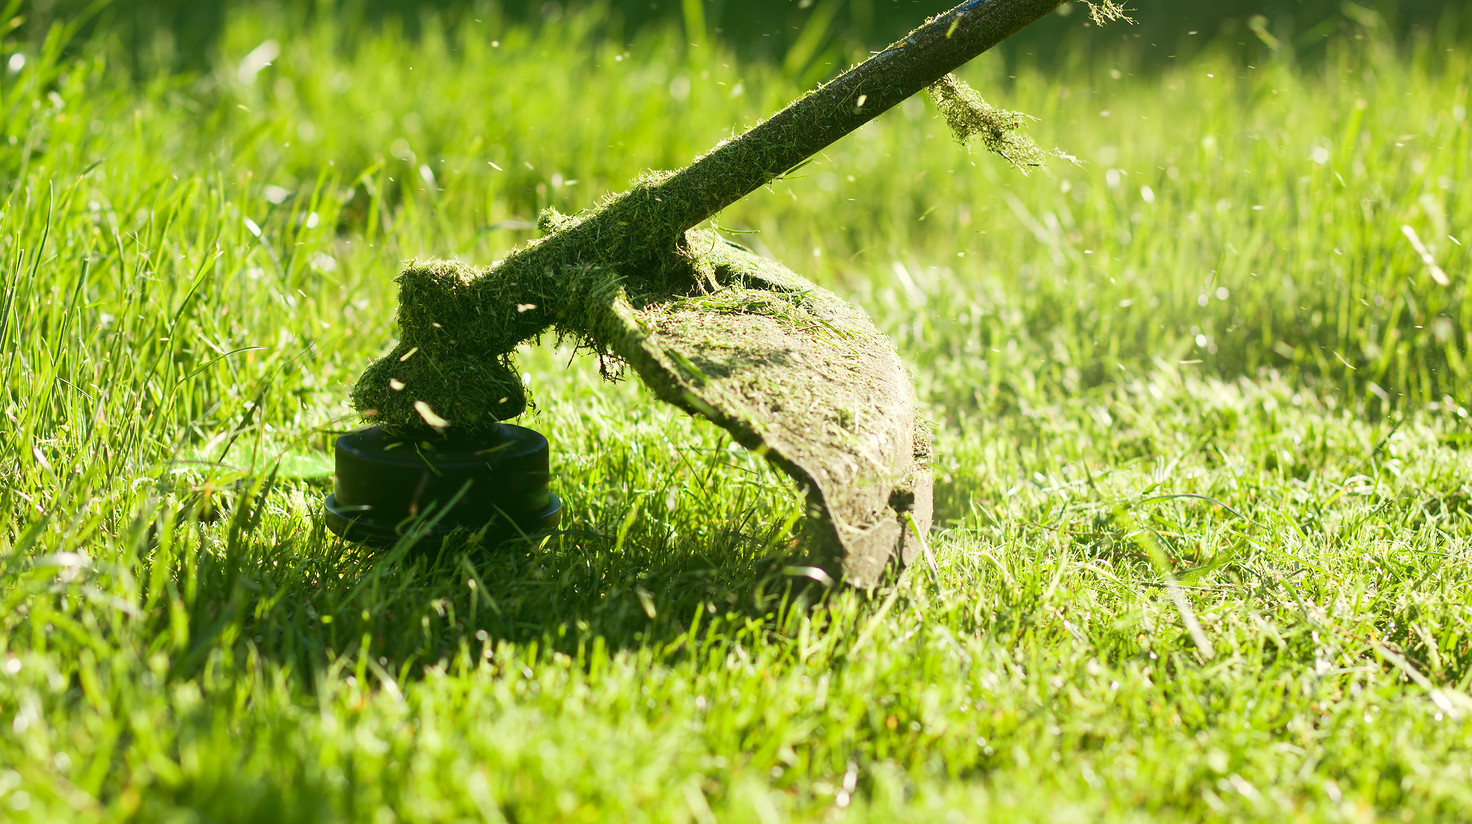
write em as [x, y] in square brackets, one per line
[309, 601]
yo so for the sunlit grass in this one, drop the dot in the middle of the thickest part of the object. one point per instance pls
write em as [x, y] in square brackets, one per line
[1204, 505]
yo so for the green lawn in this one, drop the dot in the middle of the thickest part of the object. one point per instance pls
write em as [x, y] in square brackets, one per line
[1204, 458]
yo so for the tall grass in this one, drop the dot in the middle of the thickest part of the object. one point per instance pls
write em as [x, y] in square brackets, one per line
[1201, 406]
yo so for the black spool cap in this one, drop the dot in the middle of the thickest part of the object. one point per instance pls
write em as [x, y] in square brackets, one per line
[498, 482]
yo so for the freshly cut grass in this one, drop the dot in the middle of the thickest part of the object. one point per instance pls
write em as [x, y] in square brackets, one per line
[1204, 507]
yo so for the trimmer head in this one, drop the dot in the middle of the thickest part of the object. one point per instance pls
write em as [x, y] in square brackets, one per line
[497, 483]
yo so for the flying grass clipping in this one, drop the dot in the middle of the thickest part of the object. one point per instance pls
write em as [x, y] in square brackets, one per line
[1000, 131]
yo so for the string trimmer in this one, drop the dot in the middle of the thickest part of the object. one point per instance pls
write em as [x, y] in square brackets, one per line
[790, 370]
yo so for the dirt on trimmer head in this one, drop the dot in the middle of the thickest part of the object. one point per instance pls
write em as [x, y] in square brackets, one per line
[800, 376]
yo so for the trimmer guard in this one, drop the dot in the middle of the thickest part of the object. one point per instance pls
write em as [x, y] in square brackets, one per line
[802, 377]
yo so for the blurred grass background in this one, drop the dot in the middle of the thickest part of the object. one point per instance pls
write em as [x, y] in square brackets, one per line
[808, 35]
[1286, 248]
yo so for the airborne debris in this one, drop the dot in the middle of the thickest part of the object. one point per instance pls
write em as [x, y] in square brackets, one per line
[1107, 11]
[972, 118]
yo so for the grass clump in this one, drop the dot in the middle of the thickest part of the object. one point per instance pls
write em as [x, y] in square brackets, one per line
[1107, 11]
[972, 118]
[472, 387]
[459, 322]
[1000, 131]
